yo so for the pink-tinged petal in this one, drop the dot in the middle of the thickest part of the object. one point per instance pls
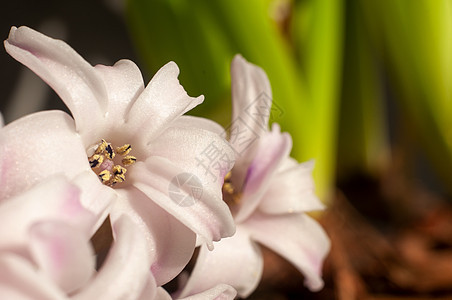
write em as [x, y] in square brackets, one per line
[63, 253]
[219, 292]
[95, 196]
[19, 280]
[150, 289]
[188, 198]
[125, 272]
[72, 78]
[38, 146]
[163, 100]
[236, 261]
[251, 103]
[297, 238]
[162, 294]
[291, 190]
[53, 199]
[274, 147]
[208, 157]
[2, 121]
[170, 243]
[124, 83]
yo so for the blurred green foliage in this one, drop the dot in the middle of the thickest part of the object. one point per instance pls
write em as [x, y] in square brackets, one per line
[328, 61]
[414, 41]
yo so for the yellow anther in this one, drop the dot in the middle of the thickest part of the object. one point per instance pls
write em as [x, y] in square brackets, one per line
[96, 160]
[118, 174]
[228, 176]
[104, 176]
[228, 188]
[109, 153]
[236, 198]
[227, 185]
[119, 178]
[117, 169]
[124, 150]
[103, 160]
[230, 195]
[101, 148]
[129, 160]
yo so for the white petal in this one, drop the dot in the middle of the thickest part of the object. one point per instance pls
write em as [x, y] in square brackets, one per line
[219, 292]
[291, 190]
[20, 281]
[163, 100]
[37, 146]
[63, 253]
[170, 243]
[54, 199]
[197, 151]
[125, 272]
[273, 148]
[297, 238]
[249, 82]
[150, 289]
[162, 294]
[198, 122]
[124, 83]
[190, 200]
[235, 261]
[199, 155]
[251, 101]
[72, 78]
[95, 196]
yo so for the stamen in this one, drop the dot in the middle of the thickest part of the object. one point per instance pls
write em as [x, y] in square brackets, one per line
[109, 153]
[227, 177]
[228, 188]
[103, 160]
[119, 175]
[230, 195]
[118, 170]
[129, 160]
[124, 150]
[96, 160]
[101, 148]
[105, 176]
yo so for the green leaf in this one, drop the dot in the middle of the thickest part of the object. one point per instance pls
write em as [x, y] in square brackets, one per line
[416, 37]
[362, 140]
[321, 57]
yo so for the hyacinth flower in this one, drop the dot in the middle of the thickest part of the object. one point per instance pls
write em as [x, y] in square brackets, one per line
[46, 253]
[126, 138]
[298, 43]
[268, 193]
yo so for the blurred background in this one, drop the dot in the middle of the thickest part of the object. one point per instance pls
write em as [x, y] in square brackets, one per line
[363, 87]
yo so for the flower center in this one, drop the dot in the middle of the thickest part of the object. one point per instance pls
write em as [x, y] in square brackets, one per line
[230, 195]
[108, 162]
